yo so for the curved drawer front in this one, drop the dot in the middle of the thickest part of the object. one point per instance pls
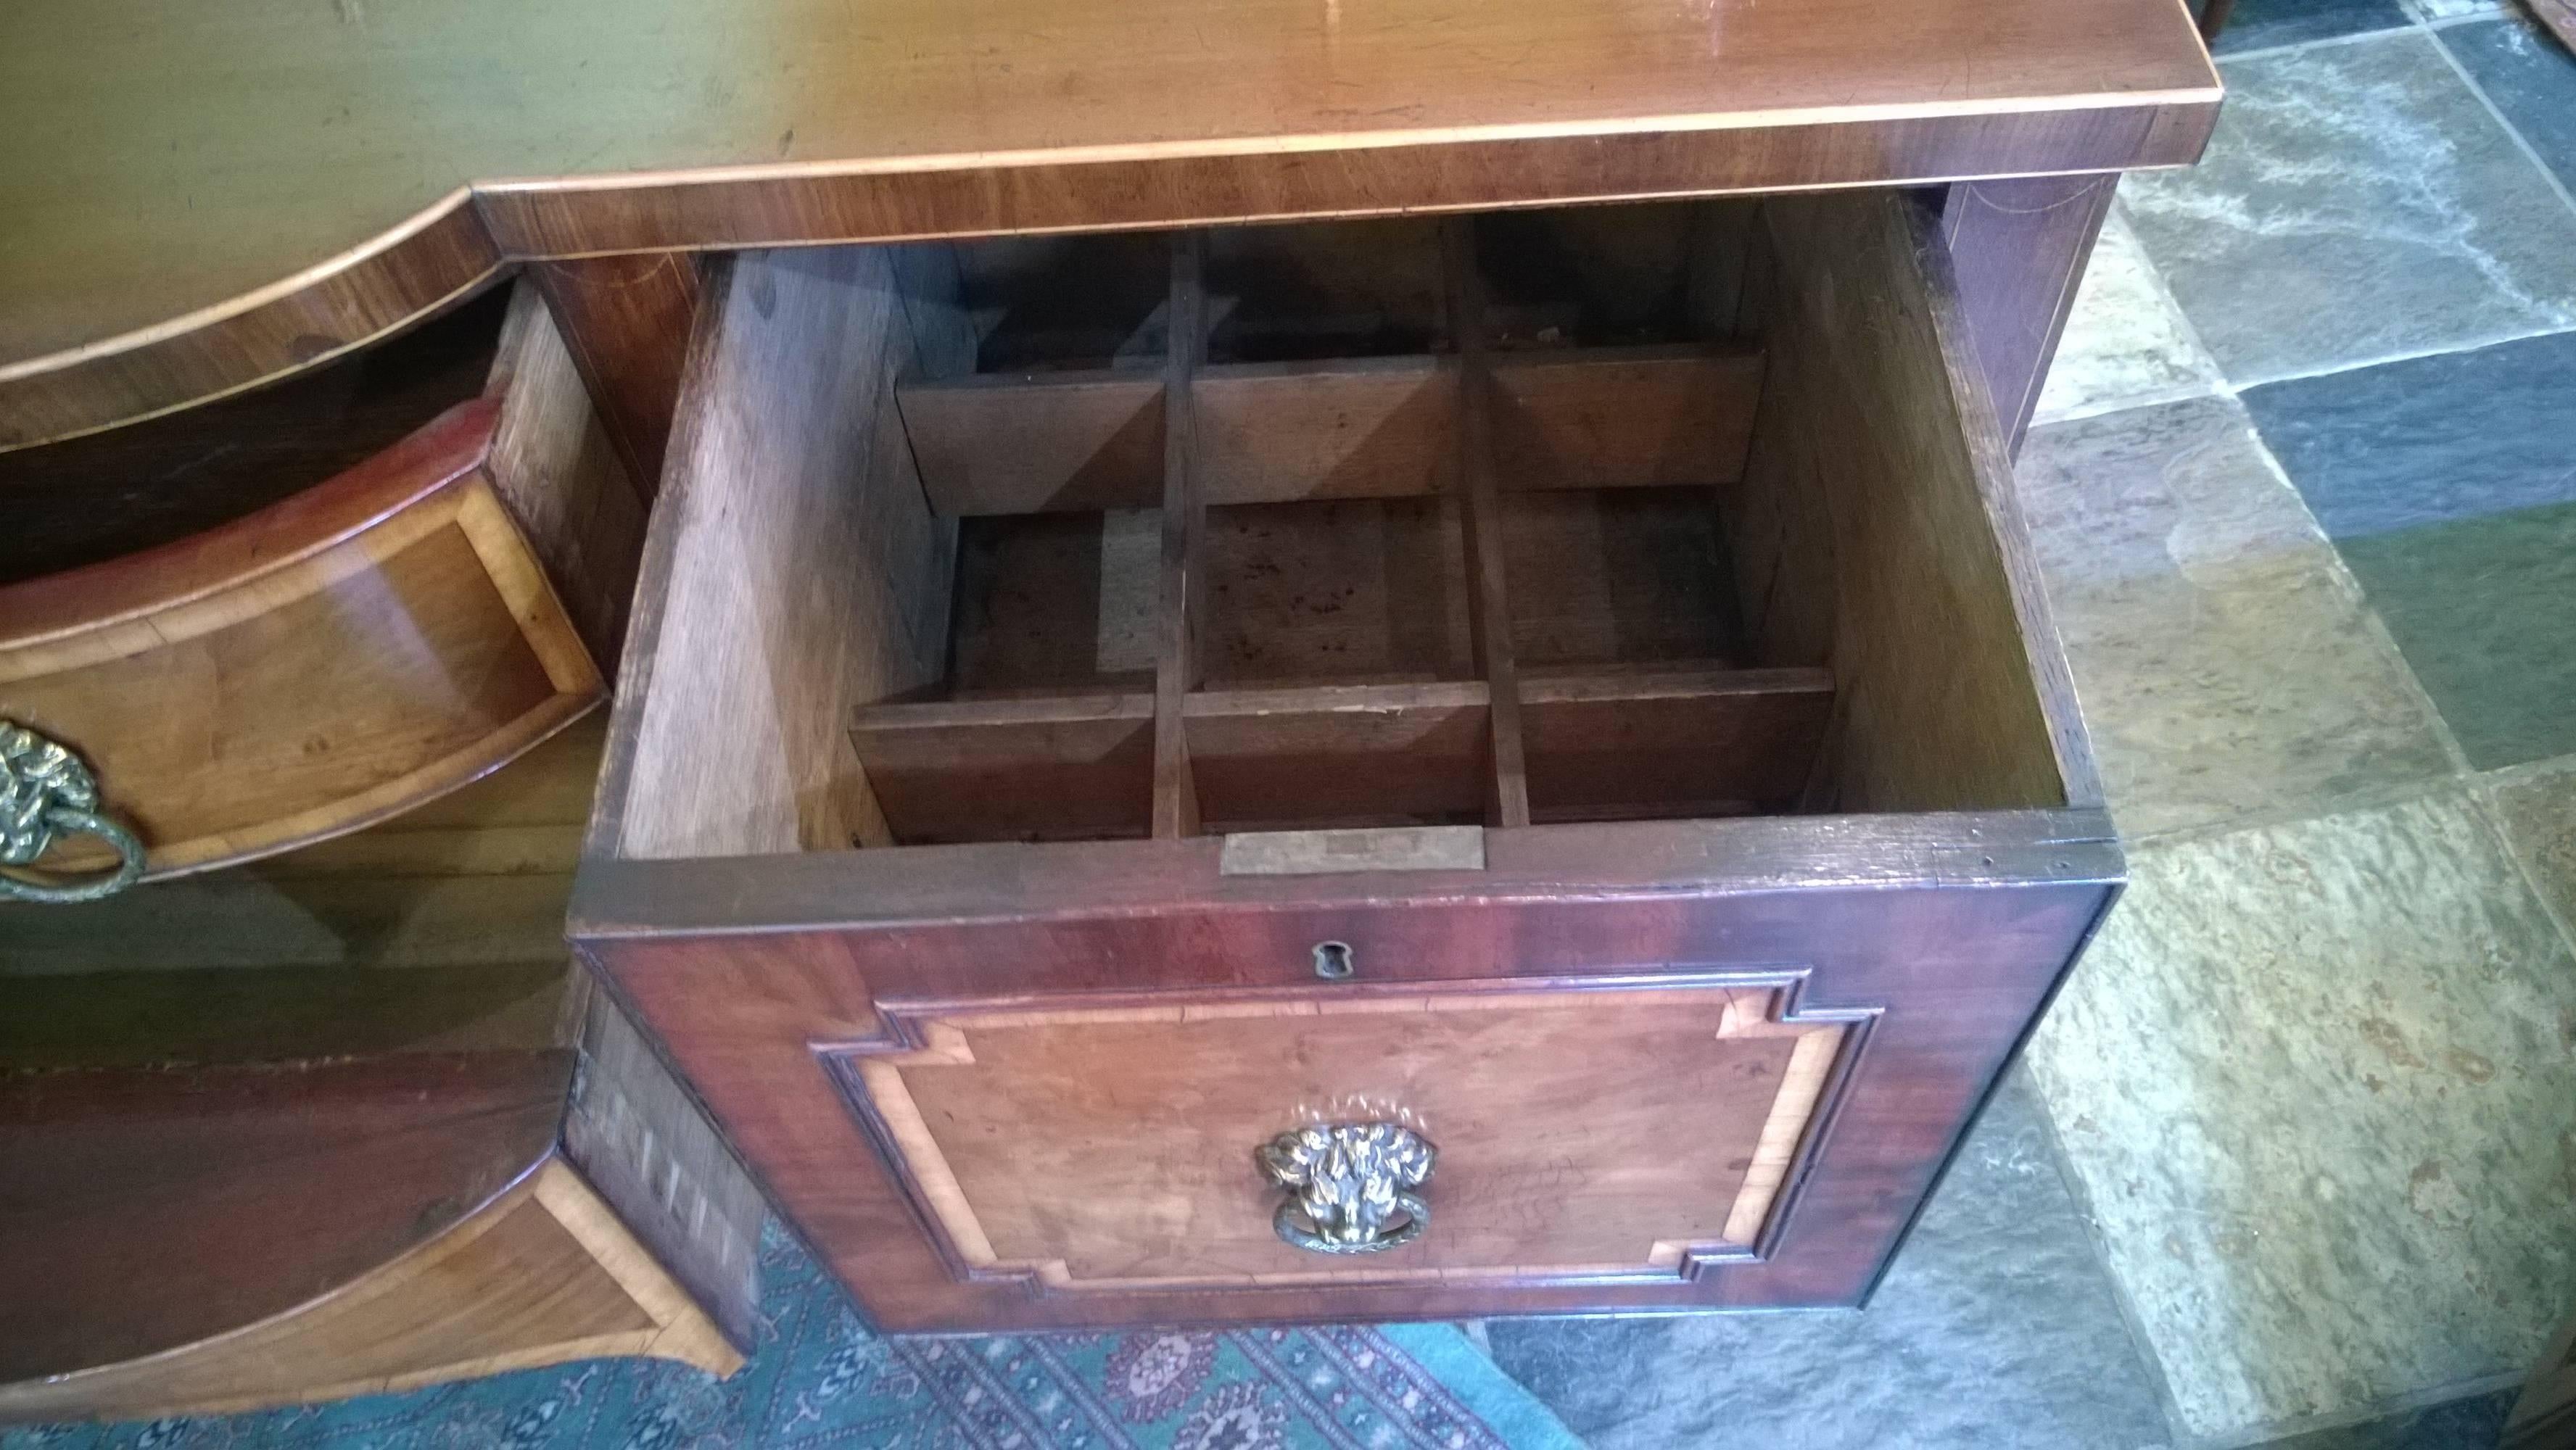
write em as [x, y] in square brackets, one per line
[1584, 1134]
[316, 666]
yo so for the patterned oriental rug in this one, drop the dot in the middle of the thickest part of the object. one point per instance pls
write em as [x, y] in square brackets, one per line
[819, 1378]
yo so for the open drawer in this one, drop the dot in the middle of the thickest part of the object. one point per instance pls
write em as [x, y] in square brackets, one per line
[1390, 769]
[283, 616]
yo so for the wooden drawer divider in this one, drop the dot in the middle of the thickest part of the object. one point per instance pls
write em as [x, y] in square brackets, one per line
[1179, 600]
[1686, 736]
[1488, 591]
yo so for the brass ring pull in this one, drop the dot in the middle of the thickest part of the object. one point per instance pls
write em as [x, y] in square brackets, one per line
[1350, 1186]
[45, 790]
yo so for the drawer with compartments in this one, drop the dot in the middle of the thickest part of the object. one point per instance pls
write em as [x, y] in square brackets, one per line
[1402, 768]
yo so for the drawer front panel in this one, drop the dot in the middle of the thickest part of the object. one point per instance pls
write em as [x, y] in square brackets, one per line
[1600, 1132]
[1743, 1111]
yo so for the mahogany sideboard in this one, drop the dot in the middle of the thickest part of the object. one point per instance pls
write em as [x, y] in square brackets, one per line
[1271, 659]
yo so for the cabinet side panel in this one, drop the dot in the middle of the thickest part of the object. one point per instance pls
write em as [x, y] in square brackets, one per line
[556, 467]
[802, 572]
[640, 1138]
[2019, 245]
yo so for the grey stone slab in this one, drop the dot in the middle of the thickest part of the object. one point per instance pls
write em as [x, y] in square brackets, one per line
[1995, 1329]
[2318, 1082]
[2430, 440]
[2225, 662]
[2530, 77]
[2449, 484]
[2357, 203]
[2471, 1422]
[2263, 24]
[2433, 10]
[2126, 343]
[2485, 611]
[2537, 810]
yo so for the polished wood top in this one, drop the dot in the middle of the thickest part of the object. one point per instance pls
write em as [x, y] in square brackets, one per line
[165, 158]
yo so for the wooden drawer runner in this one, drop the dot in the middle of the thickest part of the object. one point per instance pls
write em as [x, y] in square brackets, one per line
[1551, 711]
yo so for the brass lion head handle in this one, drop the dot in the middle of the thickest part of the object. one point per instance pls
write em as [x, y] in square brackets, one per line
[45, 790]
[1350, 1185]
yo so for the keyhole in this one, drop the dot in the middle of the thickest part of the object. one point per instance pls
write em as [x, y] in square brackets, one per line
[1333, 960]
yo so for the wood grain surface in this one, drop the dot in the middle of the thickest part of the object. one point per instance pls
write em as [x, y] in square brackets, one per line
[1341, 591]
[210, 345]
[1673, 743]
[1339, 755]
[1004, 770]
[200, 199]
[1479, 511]
[1182, 595]
[439, 930]
[642, 1141]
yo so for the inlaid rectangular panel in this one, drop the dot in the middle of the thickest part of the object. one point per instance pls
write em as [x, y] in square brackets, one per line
[1595, 1132]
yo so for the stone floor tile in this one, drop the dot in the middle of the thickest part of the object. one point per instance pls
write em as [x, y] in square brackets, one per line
[2126, 342]
[2449, 485]
[2471, 1422]
[2429, 440]
[1995, 1329]
[2358, 203]
[2530, 77]
[2318, 1082]
[2485, 611]
[2226, 664]
[2262, 24]
[2433, 10]
[2538, 812]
